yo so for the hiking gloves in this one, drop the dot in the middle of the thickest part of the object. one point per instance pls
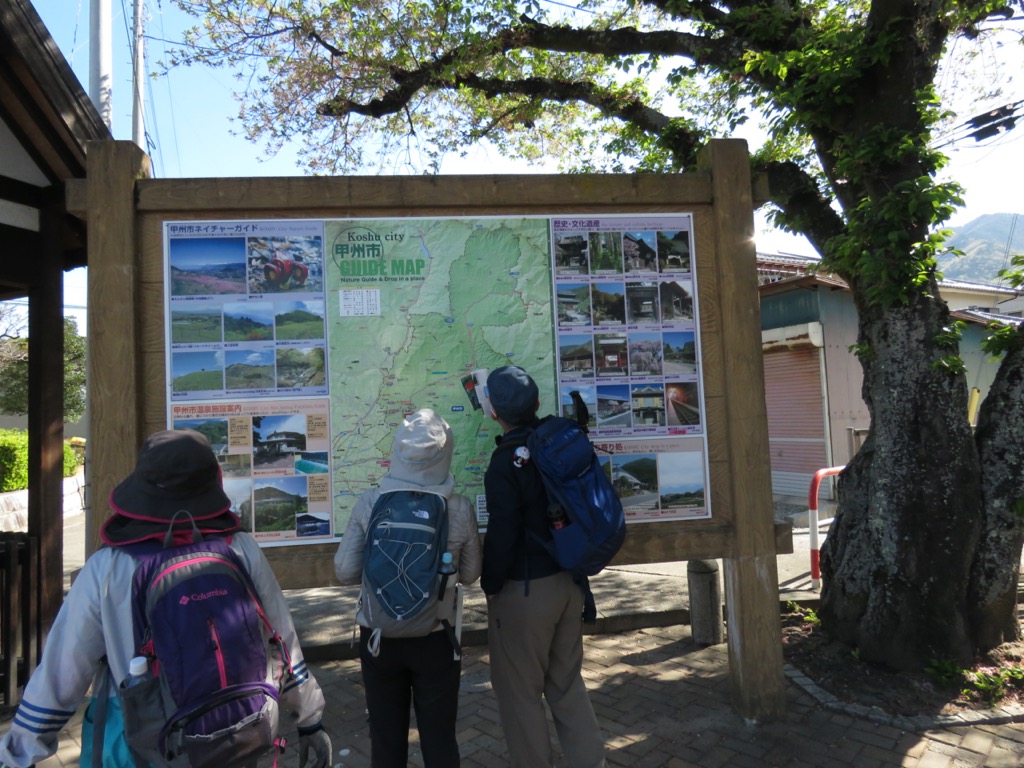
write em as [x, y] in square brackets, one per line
[314, 739]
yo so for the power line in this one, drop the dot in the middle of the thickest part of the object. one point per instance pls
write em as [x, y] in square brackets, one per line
[170, 96]
[570, 7]
[986, 125]
[1009, 243]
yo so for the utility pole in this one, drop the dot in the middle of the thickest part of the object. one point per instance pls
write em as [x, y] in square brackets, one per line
[138, 76]
[100, 67]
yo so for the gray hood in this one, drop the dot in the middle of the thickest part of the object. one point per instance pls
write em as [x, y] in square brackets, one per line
[421, 456]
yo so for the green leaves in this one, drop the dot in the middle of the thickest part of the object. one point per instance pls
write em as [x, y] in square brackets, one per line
[951, 335]
[951, 364]
[1002, 338]
[1015, 274]
[845, 92]
[949, 338]
[14, 375]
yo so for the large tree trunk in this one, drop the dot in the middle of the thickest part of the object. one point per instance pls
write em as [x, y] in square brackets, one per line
[996, 569]
[897, 560]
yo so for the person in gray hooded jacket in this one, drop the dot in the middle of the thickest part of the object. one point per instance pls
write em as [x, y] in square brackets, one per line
[421, 671]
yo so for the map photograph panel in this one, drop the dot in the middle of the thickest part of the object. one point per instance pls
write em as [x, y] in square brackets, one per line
[605, 253]
[205, 266]
[278, 502]
[635, 477]
[196, 325]
[681, 482]
[301, 367]
[197, 371]
[248, 321]
[674, 251]
[298, 320]
[249, 369]
[285, 264]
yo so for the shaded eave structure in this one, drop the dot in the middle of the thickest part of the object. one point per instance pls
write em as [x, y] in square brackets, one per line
[46, 120]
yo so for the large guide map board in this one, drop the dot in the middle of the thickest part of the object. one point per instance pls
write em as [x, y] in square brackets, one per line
[298, 346]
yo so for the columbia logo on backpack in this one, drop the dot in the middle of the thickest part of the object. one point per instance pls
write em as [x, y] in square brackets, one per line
[205, 596]
[211, 699]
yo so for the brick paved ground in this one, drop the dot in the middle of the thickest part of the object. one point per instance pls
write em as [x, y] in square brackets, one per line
[663, 701]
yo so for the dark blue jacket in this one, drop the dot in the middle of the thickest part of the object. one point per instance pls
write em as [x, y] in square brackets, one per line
[516, 504]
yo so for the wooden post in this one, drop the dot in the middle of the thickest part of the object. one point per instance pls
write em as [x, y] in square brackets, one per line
[114, 370]
[751, 573]
[46, 419]
[706, 627]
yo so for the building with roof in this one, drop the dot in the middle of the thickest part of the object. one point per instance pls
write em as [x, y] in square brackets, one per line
[46, 123]
[816, 415]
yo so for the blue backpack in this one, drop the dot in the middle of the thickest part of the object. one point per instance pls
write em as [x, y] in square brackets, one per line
[216, 665]
[405, 539]
[574, 480]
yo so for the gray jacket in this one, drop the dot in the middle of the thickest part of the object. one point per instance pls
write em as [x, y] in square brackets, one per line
[420, 461]
[96, 621]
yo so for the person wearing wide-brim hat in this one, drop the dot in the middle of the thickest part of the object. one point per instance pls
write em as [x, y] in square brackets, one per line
[176, 484]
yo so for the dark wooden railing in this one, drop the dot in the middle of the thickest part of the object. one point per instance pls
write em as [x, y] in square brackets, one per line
[20, 632]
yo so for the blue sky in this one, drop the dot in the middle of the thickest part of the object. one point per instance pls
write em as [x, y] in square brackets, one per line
[249, 357]
[291, 423]
[313, 307]
[681, 472]
[207, 251]
[617, 289]
[258, 313]
[183, 363]
[189, 121]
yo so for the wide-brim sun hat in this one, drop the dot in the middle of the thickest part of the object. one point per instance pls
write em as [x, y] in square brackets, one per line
[176, 478]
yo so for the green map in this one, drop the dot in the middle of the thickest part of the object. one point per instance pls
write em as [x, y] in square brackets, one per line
[413, 306]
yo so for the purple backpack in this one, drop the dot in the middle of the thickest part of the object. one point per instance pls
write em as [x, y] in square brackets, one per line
[216, 666]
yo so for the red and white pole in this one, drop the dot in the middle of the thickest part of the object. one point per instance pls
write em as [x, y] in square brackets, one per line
[812, 521]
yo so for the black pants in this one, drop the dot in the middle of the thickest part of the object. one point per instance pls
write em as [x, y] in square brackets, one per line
[417, 670]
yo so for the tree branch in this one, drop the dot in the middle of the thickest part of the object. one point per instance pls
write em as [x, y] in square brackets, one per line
[532, 34]
[315, 37]
[802, 205]
[703, 11]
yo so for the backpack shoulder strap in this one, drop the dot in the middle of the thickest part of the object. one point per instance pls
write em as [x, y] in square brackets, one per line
[520, 439]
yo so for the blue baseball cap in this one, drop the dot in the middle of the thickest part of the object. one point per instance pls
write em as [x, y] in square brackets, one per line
[513, 394]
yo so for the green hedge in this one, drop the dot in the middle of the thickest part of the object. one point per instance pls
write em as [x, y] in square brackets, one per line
[14, 460]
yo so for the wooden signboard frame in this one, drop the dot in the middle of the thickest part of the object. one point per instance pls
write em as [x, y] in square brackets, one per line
[125, 212]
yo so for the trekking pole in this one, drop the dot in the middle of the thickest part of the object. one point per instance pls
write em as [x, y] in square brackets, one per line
[459, 589]
[581, 411]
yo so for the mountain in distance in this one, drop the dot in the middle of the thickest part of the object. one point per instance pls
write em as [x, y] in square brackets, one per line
[988, 242]
[227, 269]
[298, 316]
[270, 493]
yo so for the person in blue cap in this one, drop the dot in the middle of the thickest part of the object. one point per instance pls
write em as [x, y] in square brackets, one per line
[534, 607]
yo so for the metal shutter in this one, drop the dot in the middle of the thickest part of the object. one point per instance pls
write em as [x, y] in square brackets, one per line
[796, 419]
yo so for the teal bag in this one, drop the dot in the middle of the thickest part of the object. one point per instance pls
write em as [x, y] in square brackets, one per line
[115, 750]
